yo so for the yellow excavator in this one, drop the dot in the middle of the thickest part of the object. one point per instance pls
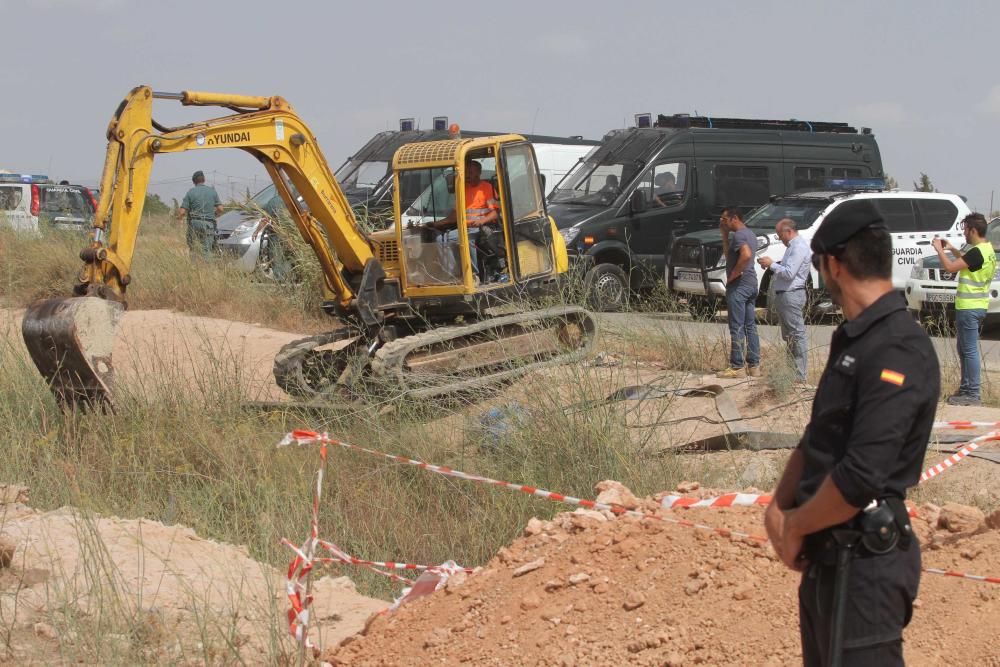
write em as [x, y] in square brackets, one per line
[417, 314]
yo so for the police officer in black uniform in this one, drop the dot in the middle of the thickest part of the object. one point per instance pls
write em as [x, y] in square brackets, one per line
[838, 514]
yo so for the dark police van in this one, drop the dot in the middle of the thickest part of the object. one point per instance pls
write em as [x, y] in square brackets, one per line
[620, 209]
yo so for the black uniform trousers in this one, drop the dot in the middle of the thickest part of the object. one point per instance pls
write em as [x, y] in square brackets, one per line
[881, 590]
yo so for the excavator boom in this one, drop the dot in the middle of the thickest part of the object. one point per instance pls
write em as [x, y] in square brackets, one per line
[70, 339]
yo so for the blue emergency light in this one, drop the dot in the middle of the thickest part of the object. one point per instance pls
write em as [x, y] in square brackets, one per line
[856, 184]
[24, 178]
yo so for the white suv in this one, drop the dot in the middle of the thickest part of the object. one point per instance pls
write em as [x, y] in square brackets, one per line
[931, 290]
[30, 202]
[696, 268]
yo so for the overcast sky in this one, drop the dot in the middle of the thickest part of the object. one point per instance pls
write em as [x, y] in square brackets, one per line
[923, 75]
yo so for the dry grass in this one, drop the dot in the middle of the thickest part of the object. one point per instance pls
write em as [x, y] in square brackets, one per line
[163, 276]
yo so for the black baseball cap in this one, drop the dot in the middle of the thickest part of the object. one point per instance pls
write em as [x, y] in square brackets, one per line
[844, 222]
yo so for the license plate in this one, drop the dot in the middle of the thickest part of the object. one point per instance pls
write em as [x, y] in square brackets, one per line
[688, 276]
[939, 297]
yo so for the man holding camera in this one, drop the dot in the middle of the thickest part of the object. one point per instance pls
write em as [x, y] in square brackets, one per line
[975, 271]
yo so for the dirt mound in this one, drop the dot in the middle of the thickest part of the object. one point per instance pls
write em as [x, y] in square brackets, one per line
[159, 593]
[591, 589]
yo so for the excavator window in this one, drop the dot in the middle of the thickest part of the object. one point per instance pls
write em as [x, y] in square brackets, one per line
[425, 197]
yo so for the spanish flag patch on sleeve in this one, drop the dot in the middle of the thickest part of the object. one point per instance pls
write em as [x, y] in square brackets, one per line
[892, 377]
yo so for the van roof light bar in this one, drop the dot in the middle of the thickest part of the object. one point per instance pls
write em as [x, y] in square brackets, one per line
[680, 121]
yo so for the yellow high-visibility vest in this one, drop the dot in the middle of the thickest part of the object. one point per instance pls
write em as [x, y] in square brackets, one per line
[974, 286]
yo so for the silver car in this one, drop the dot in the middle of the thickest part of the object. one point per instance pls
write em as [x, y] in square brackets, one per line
[235, 231]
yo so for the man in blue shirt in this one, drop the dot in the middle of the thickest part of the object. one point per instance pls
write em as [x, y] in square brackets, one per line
[790, 276]
[741, 295]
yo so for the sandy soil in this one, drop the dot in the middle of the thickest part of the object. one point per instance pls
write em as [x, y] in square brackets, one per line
[66, 573]
[177, 349]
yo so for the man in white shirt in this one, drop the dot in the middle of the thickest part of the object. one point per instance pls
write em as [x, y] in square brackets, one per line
[790, 276]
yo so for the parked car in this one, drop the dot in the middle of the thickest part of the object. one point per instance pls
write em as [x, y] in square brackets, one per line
[33, 202]
[931, 290]
[235, 233]
[696, 268]
[620, 210]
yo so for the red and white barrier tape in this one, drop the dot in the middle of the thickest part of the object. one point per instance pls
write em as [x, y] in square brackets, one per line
[969, 447]
[727, 500]
[962, 575]
[959, 425]
[301, 437]
[305, 560]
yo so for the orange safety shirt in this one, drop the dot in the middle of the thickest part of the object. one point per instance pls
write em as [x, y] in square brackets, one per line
[479, 201]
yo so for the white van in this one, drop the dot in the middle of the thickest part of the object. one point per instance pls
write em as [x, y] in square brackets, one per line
[696, 268]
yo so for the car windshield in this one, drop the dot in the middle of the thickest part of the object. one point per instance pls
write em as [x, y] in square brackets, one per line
[65, 200]
[594, 182]
[803, 211]
[362, 177]
[264, 195]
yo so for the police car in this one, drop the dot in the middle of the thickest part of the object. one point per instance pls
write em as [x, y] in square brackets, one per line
[29, 202]
[696, 268]
[931, 290]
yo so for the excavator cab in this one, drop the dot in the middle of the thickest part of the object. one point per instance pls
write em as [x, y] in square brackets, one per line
[442, 251]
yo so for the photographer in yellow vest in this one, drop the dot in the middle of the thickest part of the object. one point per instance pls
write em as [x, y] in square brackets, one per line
[975, 269]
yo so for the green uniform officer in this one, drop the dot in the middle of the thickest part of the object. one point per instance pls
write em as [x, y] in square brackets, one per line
[201, 206]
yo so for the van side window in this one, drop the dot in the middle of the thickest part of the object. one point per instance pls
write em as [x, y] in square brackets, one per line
[935, 215]
[10, 197]
[898, 214]
[664, 185]
[808, 178]
[844, 172]
[739, 185]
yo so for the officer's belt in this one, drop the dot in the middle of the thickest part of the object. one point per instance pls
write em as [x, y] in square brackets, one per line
[881, 532]
[200, 219]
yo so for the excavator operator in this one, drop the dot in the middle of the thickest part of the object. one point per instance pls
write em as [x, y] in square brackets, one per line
[481, 208]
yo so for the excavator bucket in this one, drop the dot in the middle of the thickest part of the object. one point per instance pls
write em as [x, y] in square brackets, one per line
[70, 340]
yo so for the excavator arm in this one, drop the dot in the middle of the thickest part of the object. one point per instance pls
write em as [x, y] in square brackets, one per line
[265, 127]
[70, 340]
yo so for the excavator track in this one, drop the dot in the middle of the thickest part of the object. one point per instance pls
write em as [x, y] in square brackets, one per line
[71, 340]
[451, 360]
[315, 367]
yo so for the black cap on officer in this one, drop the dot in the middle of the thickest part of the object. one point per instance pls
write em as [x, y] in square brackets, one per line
[844, 222]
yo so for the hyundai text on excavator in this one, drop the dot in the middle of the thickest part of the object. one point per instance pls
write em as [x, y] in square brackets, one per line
[415, 317]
